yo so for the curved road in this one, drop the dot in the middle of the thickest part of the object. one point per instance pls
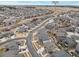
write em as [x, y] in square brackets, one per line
[30, 47]
[14, 26]
[29, 38]
[22, 37]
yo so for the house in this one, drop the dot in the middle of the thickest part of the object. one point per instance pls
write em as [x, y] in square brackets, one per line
[63, 21]
[66, 41]
[44, 39]
[41, 51]
[61, 32]
[2, 17]
[12, 50]
[10, 21]
[77, 29]
[50, 26]
[31, 25]
[77, 48]
[22, 28]
[75, 37]
[60, 53]
[23, 49]
[6, 34]
[70, 29]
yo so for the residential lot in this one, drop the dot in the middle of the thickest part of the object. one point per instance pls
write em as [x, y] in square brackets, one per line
[39, 31]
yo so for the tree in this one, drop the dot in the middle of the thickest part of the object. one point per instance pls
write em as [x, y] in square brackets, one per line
[55, 3]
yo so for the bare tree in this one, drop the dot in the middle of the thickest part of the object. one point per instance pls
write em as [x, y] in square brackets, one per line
[55, 3]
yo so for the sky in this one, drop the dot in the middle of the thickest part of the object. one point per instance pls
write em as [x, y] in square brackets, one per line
[38, 3]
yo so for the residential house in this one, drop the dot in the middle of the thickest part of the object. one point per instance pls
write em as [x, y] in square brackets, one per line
[44, 39]
[60, 53]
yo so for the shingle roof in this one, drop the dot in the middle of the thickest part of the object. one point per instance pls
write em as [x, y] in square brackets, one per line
[42, 34]
[77, 48]
[60, 54]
